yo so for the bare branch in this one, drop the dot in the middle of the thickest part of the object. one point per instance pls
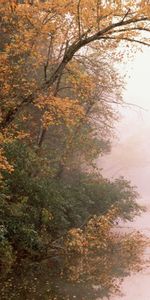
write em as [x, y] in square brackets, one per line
[104, 17]
[98, 14]
[126, 15]
[125, 39]
[48, 57]
[130, 29]
[41, 136]
[78, 16]
[64, 88]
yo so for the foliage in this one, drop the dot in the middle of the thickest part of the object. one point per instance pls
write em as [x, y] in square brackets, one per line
[92, 274]
[99, 235]
[39, 58]
[99, 269]
[36, 208]
[7, 256]
[59, 86]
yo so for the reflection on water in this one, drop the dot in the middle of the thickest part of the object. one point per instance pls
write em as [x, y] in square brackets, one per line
[137, 286]
[91, 277]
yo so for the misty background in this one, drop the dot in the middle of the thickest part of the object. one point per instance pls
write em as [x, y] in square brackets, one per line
[130, 155]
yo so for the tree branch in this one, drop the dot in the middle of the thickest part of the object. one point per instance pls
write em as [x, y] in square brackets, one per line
[48, 57]
[78, 17]
[126, 39]
[130, 29]
[126, 15]
[72, 49]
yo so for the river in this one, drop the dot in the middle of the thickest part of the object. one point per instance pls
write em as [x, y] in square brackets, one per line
[112, 276]
[137, 286]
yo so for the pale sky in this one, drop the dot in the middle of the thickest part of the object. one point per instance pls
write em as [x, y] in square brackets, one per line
[130, 155]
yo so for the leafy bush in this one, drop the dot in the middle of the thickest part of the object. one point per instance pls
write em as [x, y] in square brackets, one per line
[36, 208]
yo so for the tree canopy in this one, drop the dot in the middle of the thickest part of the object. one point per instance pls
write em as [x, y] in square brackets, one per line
[59, 95]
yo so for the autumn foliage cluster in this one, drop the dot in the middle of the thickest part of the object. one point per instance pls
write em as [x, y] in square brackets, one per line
[60, 90]
[103, 256]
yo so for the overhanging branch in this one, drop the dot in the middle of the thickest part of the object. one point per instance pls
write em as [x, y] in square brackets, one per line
[69, 54]
[125, 39]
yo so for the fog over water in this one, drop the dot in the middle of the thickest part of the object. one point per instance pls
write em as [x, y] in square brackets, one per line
[130, 157]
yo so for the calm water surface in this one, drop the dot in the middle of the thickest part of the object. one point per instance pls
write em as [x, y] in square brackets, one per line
[57, 280]
[137, 286]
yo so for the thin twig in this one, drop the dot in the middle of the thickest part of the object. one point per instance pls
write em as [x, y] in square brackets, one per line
[125, 39]
[126, 15]
[78, 16]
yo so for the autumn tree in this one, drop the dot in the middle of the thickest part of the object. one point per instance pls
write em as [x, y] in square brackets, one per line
[50, 34]
[58, 91]
[41, 41]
